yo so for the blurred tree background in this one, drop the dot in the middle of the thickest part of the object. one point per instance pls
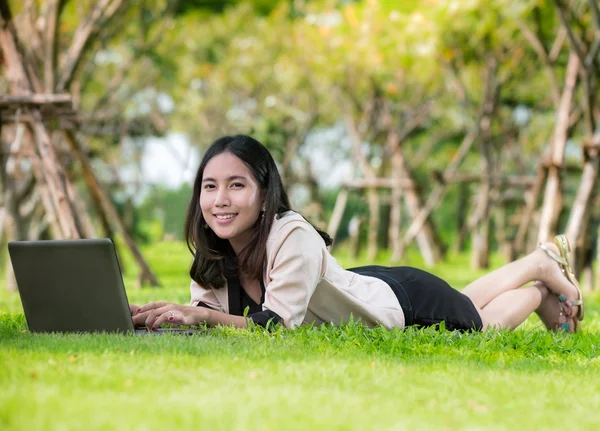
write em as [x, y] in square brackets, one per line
[449, 125]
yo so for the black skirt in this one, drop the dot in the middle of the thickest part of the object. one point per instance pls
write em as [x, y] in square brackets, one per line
[426, 300]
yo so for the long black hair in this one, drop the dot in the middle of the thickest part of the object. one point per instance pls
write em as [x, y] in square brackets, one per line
[214, 258]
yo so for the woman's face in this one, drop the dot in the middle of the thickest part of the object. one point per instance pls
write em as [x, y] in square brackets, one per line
[230, 199]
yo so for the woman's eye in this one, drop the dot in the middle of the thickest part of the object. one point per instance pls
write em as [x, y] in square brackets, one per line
[208, 187]
[237, 185]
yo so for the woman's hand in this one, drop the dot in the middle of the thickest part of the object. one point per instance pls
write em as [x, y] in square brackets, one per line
[133, 309]
[154, 314]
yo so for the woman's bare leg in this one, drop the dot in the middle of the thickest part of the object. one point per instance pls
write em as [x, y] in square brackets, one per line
[506, 278]
[537, 265]
[509, 309]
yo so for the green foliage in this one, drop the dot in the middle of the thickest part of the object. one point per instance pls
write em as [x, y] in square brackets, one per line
[281, 69]
[168, 208]
[262, 7]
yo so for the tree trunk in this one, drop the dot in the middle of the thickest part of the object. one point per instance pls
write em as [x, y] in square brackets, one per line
[83, 220]
[502, 227]
[395, 220]
[374, 219]
[462, 205]
[107, 206]
[13, 229]
[291, 153]
[12, 226]
[553, 194]
[317, 212]
[38, 226]
[481, 217]
[107, 229]
[480, 223]
[427, 239]
[337, 214]
[597, 278]
[22, 84]
[438, 192]
[582, 207]
[372, 194]
[42, 187]
[532, 199]
[480, 255]
[354, 233]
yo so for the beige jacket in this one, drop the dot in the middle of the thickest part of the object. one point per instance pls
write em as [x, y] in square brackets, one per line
[305, 284]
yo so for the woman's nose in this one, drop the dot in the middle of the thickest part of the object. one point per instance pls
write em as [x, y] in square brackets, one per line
[222, 198]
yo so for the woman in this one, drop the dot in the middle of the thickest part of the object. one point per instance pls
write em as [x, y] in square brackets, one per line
[255, 259]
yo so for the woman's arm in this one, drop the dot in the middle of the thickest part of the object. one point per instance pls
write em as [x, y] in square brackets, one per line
[215, 318]
[298, 263]
[154, 314]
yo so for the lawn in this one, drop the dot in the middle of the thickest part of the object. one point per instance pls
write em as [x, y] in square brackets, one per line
[312, 378]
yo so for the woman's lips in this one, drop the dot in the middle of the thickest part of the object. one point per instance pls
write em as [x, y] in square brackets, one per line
[225, 218]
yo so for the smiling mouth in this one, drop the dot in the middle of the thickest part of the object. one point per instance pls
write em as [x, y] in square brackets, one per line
[225, 216]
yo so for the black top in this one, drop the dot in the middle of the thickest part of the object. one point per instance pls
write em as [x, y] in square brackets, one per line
[239, 300]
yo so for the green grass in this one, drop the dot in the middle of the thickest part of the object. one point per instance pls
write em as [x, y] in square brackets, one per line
[312, 378]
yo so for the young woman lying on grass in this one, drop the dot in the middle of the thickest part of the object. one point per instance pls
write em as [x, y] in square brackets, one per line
[251, 251]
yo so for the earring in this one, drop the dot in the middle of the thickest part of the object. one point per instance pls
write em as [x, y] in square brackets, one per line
[205, 225]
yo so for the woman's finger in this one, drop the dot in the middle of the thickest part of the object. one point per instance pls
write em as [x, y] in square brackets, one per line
[139, 319]
[151, 306]
[153, 316]
[160, 319]
[180, 316]
[133, 309]
[173, 317]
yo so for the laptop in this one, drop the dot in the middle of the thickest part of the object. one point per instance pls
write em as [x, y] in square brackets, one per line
[74, 286]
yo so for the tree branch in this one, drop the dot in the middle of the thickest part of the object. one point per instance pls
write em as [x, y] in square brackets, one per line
[9, 43]
[594, 50]
[575, 42]
[420, 116]
[30, 30]
[595, 13]
[462, 90]
[140, 48]
[101, 13]
[557, 45]
[26, 188]
[539, 48]
[52, 14]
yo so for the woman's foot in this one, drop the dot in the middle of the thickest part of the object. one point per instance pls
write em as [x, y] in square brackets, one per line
[552, 313]
[562, 242]
[552, 276]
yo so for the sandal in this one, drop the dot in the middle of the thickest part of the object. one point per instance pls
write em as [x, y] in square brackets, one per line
[562, 242]
[564, 247]
[566, 308]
